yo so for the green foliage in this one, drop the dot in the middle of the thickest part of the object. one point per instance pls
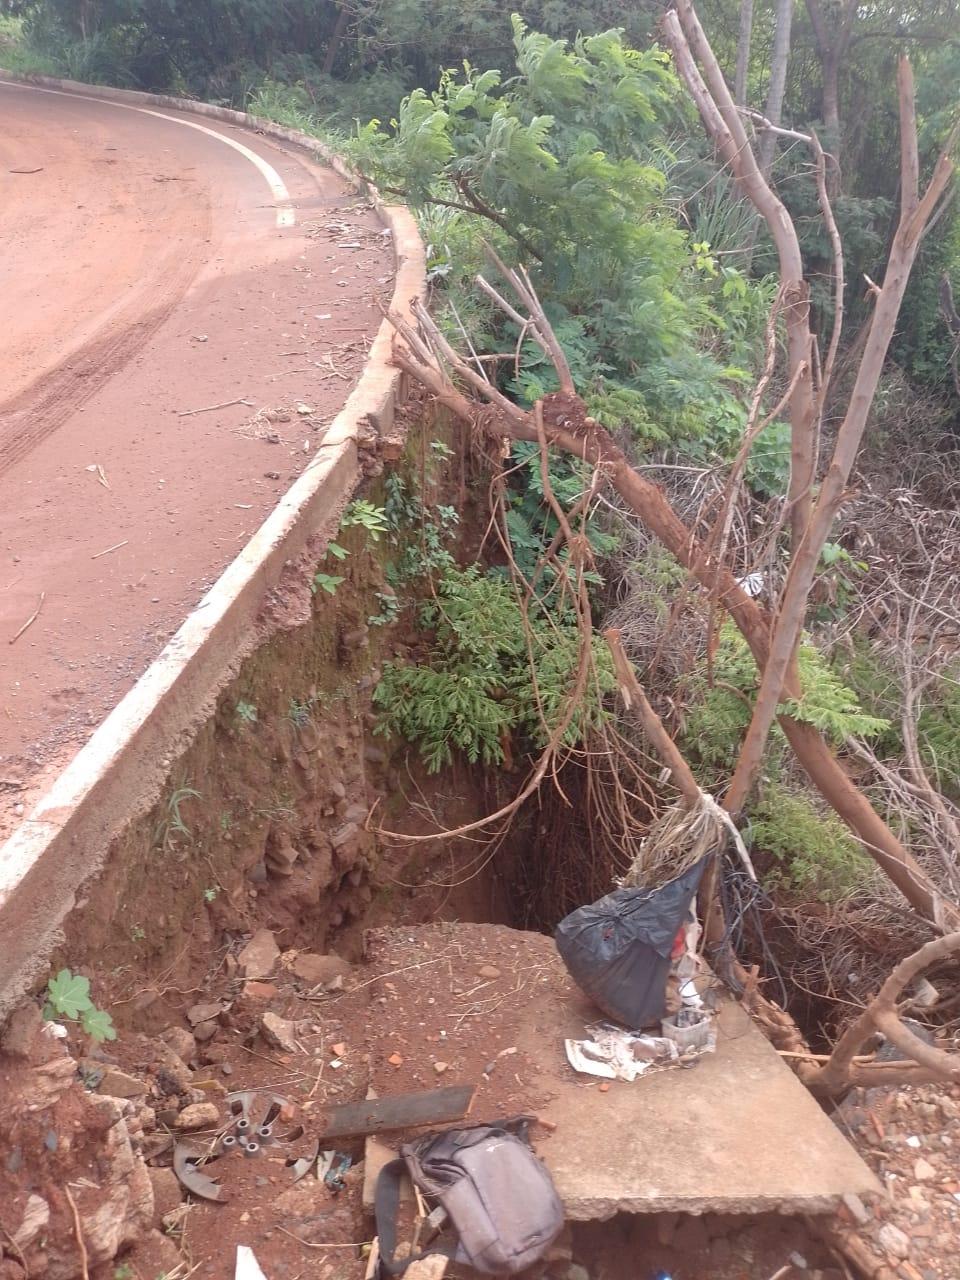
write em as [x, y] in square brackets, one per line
[814, 855]
[722, 701]
[327, 582]
[171, 824]
[68, 996]
[419, 535]
[567, 159]
[388, 612]
[531, 522]
[300, 711]
[366, 515]
[246, 712]
[477, 690]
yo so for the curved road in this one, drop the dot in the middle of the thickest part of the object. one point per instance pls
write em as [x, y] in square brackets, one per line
[151, 265]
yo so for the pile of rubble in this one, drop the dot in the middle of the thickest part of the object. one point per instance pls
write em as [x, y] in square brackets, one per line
[911, 1138]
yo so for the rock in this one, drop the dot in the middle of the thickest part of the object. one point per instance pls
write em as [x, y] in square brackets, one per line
[22, 1029]
[576, 1272]
[117, 1084]
[259, 957]
[259, 992]
[857, 1210]
[205, 1031]
[319, 970]
[50, 1082]
[441, 1067]
[167, 1194]
[117, 1215]
[36, 1215]
[181, 1042]
[203, 1013]
[433, 1267]
[165, 1257]
[279, 1033]
[923, 1170]
[344, 834]
[489, 971]
[893, 1241]
[198, 1115]
[949, 1109]
[281, 856]
[213, 1053]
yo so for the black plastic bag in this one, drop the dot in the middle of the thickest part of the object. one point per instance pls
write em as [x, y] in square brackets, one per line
[618, 950]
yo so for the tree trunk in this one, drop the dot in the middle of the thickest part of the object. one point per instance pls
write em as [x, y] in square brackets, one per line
[779, 59]
[832, 45]
[333, 45]
[743, 52]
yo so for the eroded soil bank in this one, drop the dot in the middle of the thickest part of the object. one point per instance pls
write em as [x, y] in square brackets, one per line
[255, 931]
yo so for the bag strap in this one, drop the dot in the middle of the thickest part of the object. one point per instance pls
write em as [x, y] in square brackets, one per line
[386, 1204]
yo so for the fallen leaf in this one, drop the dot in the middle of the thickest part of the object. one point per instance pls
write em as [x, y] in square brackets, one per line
[395, 1060]
[339, 1050]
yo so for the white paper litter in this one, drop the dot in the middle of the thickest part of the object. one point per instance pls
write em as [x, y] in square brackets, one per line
[248, 1268]
[613, 1053]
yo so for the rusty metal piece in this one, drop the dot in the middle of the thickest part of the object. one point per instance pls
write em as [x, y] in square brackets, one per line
[186, 1159]
[300, 1168]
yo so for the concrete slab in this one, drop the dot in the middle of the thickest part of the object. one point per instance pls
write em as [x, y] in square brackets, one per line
[492, 1006]
[738, 1133]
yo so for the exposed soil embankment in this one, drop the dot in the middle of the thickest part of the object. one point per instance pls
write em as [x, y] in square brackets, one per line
[270, 816]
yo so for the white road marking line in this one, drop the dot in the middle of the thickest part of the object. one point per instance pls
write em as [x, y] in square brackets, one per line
[286, 215]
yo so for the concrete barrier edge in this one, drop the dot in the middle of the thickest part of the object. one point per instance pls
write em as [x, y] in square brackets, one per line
[118, 774]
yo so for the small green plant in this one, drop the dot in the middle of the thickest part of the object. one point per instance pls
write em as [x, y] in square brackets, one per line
[137, 933]
[68, 996]
[226, 820]
[327, 582]
[246, 712]
[334, 549]
[123, 1272]
[440, 449]
[210, 894]
[366, 515]
[389, 609]
[300, 710]
[171, 824]
[836, 585]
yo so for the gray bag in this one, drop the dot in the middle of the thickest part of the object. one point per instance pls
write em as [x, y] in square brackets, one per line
[500, 1198]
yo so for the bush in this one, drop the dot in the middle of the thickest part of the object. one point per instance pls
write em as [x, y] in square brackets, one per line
[475, 691]
[814, 855]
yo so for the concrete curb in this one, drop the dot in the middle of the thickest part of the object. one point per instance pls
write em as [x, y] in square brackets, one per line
[118, 774]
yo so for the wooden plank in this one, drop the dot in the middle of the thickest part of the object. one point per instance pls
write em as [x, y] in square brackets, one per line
[402, 1111]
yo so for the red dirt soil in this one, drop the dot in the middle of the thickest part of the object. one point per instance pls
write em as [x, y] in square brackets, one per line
[143, 277]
